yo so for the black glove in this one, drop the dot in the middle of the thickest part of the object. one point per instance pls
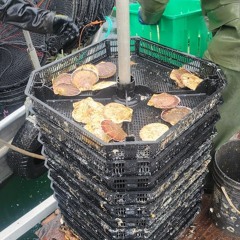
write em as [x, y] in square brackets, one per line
[63, 25]
[24, 15]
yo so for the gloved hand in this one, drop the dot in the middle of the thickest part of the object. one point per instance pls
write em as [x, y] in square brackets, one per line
[151, 11]
[63, 25]
[23, 14]
[67, 33]
[140, 18]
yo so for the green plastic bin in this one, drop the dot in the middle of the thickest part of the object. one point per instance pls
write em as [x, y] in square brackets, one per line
[182, 27]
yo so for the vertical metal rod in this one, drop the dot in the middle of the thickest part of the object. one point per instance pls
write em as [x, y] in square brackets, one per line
[123, 37]
[31, 50]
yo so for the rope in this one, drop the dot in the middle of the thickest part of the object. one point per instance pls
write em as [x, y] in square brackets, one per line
[229, 200]
[40, 3]
[22, 151]
[87, 25]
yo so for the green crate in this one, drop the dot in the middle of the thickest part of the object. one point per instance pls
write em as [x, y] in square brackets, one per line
[182, 27]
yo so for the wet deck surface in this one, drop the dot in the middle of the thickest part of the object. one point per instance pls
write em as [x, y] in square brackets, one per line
[202, 228]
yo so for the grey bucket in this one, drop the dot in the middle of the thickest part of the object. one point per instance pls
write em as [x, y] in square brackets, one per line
[226, 195]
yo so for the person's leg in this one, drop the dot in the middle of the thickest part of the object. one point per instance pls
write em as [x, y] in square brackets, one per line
[224, 22]
[151, 10]
[224, 49]
[229, 111]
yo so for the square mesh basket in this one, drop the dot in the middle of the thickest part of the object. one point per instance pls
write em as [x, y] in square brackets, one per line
[154, 63]
[182, 27]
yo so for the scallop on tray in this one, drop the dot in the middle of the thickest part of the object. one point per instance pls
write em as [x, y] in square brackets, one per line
[151, 80]
[84, 78]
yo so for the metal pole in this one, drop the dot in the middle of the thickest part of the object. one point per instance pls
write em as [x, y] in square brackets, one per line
[123, 36]
[31, 50]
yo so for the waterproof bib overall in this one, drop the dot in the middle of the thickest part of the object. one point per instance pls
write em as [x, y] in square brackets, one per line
[224, 49]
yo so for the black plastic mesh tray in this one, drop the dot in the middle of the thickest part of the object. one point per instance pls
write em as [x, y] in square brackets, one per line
[119, 210]
[139, 197]
[152, 221]
[81, 229]
[132, 149]
[152, 61]
[160, 206]
[68, 146]
[179, 221]
[153, 64]
[154, 212]
[130, 182]
[180, 226]
[91, 219]
[95, 224]
[172, 183]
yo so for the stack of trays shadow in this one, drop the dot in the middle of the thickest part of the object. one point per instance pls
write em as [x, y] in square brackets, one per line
[129, 198]
[132, 189]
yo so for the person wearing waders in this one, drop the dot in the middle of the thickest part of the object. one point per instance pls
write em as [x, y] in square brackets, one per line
[224, 49]
[24, 15]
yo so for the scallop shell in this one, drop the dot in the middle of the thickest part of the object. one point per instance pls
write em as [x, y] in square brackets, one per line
[113, 130]
[66, 90]
[84, 79]
[117, 112]
[164, 101]
[86, 110]
[174, 115]
[152, 131]
[106, 69]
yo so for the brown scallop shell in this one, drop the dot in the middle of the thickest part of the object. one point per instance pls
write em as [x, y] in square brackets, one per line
[96, 130]
[174, 115]
[89, 67]
[66, 90]
[106, 69]
[84, 79]
[103, 84]
[84, 111]
[190, 80]
[113, 130]
[153, 131]
[176, 74]
[164, 101]
[63, 78]
[117, 112]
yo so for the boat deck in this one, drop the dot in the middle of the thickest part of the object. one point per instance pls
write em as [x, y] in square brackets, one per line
[202, 228]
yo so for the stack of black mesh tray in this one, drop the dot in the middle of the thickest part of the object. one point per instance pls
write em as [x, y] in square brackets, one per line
[131, 189]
